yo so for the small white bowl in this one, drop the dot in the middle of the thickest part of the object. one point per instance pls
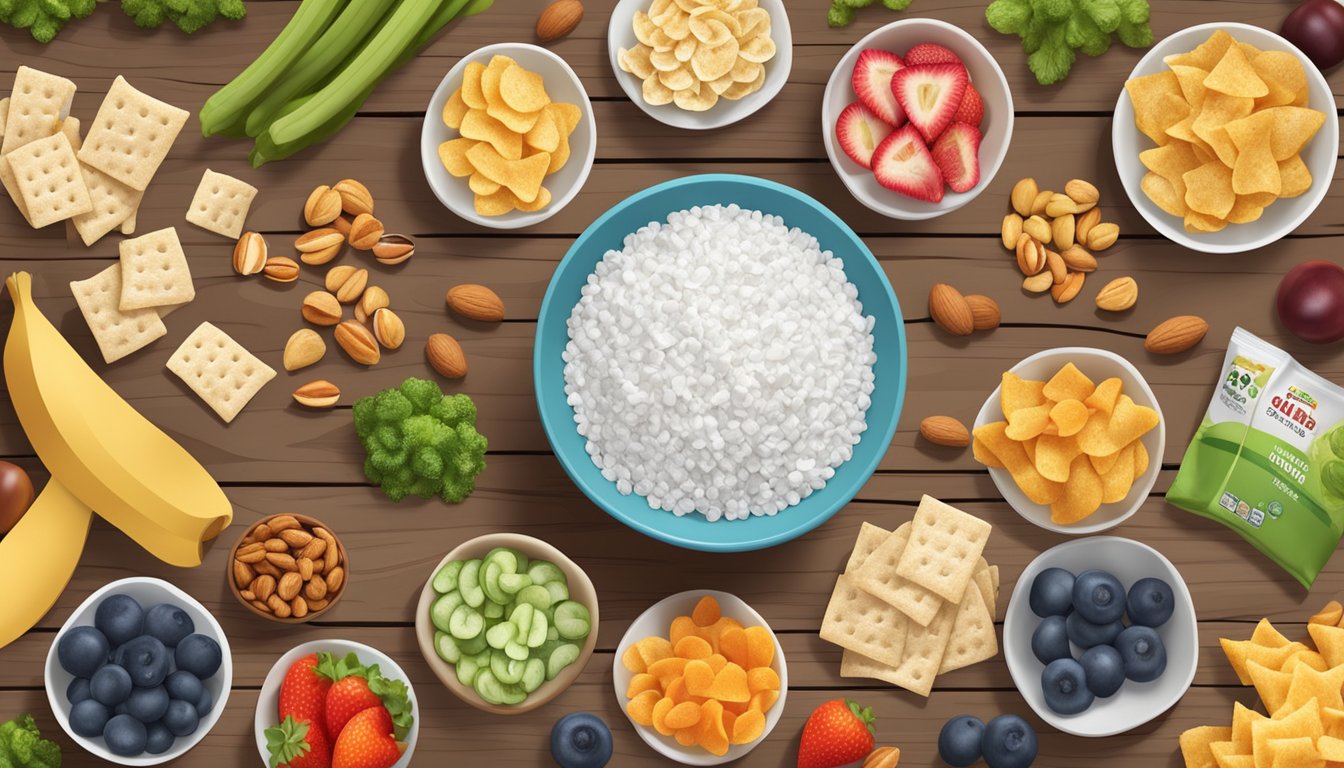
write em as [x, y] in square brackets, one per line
[268, 700]
[1135, 703]
[1098, 365]
[997, 128]
[148, 592]
[563, 85]
[655, 622]
[621, 34]
[1279, 219]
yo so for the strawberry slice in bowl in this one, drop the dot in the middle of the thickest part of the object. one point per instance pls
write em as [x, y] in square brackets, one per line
[859, 131]
[903, 163]
[930, 95]
[957, 155]
[872, 77]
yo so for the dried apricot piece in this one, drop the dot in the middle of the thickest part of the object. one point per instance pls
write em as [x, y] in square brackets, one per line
[641, 707]
[693, 648]
[748, 727]
[706, 611]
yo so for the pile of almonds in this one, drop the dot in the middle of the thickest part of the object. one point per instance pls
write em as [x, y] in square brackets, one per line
[287, 569]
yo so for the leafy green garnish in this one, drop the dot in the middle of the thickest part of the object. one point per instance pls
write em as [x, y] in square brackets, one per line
[22, 746]
[188, 15]
[1053, 30]
[43, 18]
[841, 13]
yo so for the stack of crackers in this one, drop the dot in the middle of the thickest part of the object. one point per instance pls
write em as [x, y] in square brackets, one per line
[917, 602]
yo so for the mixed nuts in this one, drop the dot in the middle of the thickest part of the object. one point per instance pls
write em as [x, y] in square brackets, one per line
[1054, 235]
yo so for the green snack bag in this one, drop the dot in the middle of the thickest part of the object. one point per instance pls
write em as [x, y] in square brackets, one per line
[1268, 459]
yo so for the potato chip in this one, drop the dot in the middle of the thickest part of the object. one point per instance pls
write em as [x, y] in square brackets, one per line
[738, 91]
[1130, 421]
[706, 611]
[1116, 482]
[1284, 69]
[1163, 194]
[1295, 752]
[1296, 177]
[712, 735]
[1330, 614]
[1026, 423]
[1016, 392]
[679, 79]
[1199, 222]
[673, 667]
[1140, 459]
[655, 93]
[1068, 384]
[1104, 464]
[985, 456]
[693, 647]
[683, 715]
[454, 110]
[1195, 744]
[760, 647]
[471, 85]
[481, 185]
[1183, 130]
[693, 100]
[1249, 208]
[1254, 169]
[1095, 436]
[1331, 748]
[545, 135]
[1104, 397]
[641, 707]
[522, 90]
[716, 662]
[453, 155]
[1054, 457]
[482, 127]
[1207, 55]
[710, 32]
[522, 177]
[759, 49]
[633, 660]
[653, 650]
[494, 71]
[1069, 416]
[1029, 447]
[1235, 76]
[1014, 459]
[763, 679]
[1218, 110]
[748, 727]
[1191, 82]
[636, 61]
[1081, 495]
[644, 28]
[712, 63]
[640, 683]
[1293, 128]
[1208, 190]
[682, 626]
[660, 713]
[1171, 162]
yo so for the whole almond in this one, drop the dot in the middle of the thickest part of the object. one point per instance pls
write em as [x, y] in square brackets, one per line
[1102, 236]
[1085, 224]
[313, 551]
[316, 605]
[445, 355]
[985, 312]
[335, 578]
[374, 299]
[249, 254]
[358, 342]
[1060, 205]
[260, 606]
[355, 197]
[279, 607]
[282, 560]
[242, 573]
[1023, 197]
[1062, 230]
[388, 329]
[333, 553]
[559, 19]
[1042, 200]
[316, 588]
[298, 607]
[303, 349]
[1078, 259]
[289, 585]
[476, 302]
[262, 532]
[353, 287]
[1068, 290]
[251, 554]
[946, 431]
[393, 249]
[317, 394]
[305, 568]
[1118, 295]
[1030, 255]
[883, 757]
[321, 308]
[365, 232]
[247, 595]
[1011, 230]
[275, 544]
[263, 587]
[1082, 192]
[265, 568]
[322, 207]
[319, 246]
[949, 310]
[337, 275]
[1038, 228]
[296, 538]
[1055, 265]
[1176, 335]
[281, 269]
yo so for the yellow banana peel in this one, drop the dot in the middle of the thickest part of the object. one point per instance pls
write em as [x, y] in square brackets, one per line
[38, 556]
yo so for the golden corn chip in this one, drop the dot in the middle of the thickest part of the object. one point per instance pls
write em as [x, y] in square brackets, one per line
[1068, 384]
[1331, 748]
[1235, 761]
[1235, 76]
[1054, 457]
[1296, 177]
[497, 204]
[1293, 127]
[1242, 720]
[1305, 657]
[471, 85]
[740, 90]
[636, 61]
[1331, 613]
[1014, 459]
[1267, 635]
[1295, 752]
[1016, 392]
[454, 110]
[1207, 55]
[655, 93]
[759, 49]
[1130, 421]
[1195, 744]
[523, 90]
[712, 63]
[1081, 495]
[545, 135]
[1026, 423]
[1208, 190]
[1191, 81]
[983, 455]
[1308, 683]
[1115, 484]
[453, 155]
[1104, 464]
[522, 177]
[1103, 398]
[479, 126]
[481, 185]
[1069, 416]
[1272, 687]
[678, 79]
[1329, 641]
[1152, 97]
[1242, 653]
[1332, 720]
[1163, 194]
[1199, 222]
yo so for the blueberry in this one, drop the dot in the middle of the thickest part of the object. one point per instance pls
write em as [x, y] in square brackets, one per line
[205, 703]
[148, 704]
[119, 617]
[959, 741]
[110, 685]
[1105, 670]
[1051, 593]
[121, 709]
[125, 736]
[1143, 653]
[581, 740]
[1009, 742]
[1099, 597]
[1065, 686]
[198, 655]
[78, 690]
[1151, 602]
[158, 739]
[88, 718]
[168, 623]
[1050, 641]
[145, 658]
[181, 717]
[82, 651]
[1085, 634]
[184, 685]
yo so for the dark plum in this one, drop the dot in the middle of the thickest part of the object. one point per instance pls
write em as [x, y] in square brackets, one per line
[184, 685]
[120, 618]
[88, 718]
[1009, 742]
[110, 685]
[1065, 687]
[1051, 593]
[1105, 670]
[148, 704]
[125, 736]
[181, 717]
[1050, 641]
[959, 741]
[78, 690]
[82, 651]
[1085, 634]
[198, 655]
[581, 740]
[169, 623]
[1099, 597]
[1144, 654]
[158, 738]
[1150, 602]
[145, 658]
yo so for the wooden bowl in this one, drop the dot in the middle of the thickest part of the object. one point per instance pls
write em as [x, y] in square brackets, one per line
[307, 522]
[580, 590]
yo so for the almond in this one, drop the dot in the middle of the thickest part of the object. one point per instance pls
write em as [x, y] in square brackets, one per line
[445, 355]
[321, 308]
[1082, 192]
[242, 574]
[388, 329]
[1042, 200]
[275, 544]
[374, 299]
[282, 560]
[1176, 335]
[305, 568]
[316, 394]
[883, 757]
[358, 342]
[296, 538]
[1030, 255]
[1078, 259]
[298, 607]
[1102, 236]
[1085, 224]
[313, 550]
[945, 430]
[281, 269]
[319, 246]
[283, 523]
[476, 302]
[1068, 290]
[1062, 231]
[985, 312]
[1023, 197]
[355, 197]
[949, 310]
[393, 249]
[1061, 205]
[316, 589]
[322, 207]
[1011, 230]
[1055, 264]
[263, 587]
[335, 578]
[353, 287]
[289, 585]
[279, 607]
[304, 348]
[559, 19]
[249, 255]
[1118, 295]
[336, 277]
[365, 232]
[1038, 228]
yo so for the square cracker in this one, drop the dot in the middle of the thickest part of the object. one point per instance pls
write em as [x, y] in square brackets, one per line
[113, 203]
[973, 639]
[945, 546]
[869, 539]
[4, 115]
[11, 186]
[878, 578]
[118, 333]
[70, 127]
[131, 135]
[154, 271]
[985, 583]
[49, 181]
[218, 369]
[922, 655]
[128, 226]
[221, 204]
[857, 621]
[37, 105]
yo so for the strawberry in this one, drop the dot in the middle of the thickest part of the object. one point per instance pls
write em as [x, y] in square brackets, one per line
[367, 742]
[838, 732]
[930, 53]
[930, 95]
[303, 692]
[298, 744]
[972, 109]
[859, 132]
[872, 82]
[902, 163]
[957, 155]
[355, 688]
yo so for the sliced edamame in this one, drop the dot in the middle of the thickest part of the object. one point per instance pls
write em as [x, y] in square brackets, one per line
[536, 634]
[512, 583]
[445, 580]
[500, 635]
[465, 622]
[560, 658]
[516, 650]
[536, 596]
[506, 670]
[543, 572]
[473, 646]
[447, 647]
[490, 573]
[558, 591]
[469, 583]
[443, 608]
[572, 620]
[492, 610]
[534, 674]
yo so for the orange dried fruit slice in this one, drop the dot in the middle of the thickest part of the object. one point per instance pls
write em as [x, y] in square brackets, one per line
[748, 727]
[693, 648]
[706, 611]
[641, 707]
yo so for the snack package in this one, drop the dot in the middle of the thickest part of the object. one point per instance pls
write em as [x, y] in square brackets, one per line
[1268, 459]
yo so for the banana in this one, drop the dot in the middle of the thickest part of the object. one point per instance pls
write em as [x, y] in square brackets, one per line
[38, 557]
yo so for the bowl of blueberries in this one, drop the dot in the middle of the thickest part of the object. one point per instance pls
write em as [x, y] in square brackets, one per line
[139, 673]
[1100, 635]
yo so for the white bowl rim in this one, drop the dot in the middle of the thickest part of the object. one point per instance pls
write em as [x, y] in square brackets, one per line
[429, 156]
[1123, 121]
[951, 200]
[730, 605]
[1003, 480]
[367, 654]
[781, 31]
[1023, 587]
[180, 746]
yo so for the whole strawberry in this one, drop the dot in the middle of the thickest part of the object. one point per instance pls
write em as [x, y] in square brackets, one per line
[301, 740]
[837, 733]
[355, 688]
[367, 742]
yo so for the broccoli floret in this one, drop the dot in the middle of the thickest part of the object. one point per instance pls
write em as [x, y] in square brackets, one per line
[43, 18]
[188, 15]
[1009, 17]
[22, 746]
[420, 442]
[1052, 30]
[841, 13]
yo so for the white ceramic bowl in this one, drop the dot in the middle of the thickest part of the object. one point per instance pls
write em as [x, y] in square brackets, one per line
[1135, 703]
[621, 34]
[1098, 365]
[997, 128]
[268, 700]
[148, 592]
[1279, 219]
[563, 85]
[655, 621]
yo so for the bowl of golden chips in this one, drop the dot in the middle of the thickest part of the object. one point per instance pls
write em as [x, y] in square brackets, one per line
[1225, 137]
[509, 137]
[1073, 438]
[700, 64]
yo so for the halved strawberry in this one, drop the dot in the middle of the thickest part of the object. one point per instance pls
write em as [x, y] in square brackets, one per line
[972, 109]
[902, 163]
[957, 154]
[930, 53]
[859, 132]
[872, 82]
[930, 95]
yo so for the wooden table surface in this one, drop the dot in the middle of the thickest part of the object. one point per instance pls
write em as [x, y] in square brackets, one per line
[276, 457]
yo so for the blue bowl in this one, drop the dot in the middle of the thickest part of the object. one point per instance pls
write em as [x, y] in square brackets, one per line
[608, 233]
